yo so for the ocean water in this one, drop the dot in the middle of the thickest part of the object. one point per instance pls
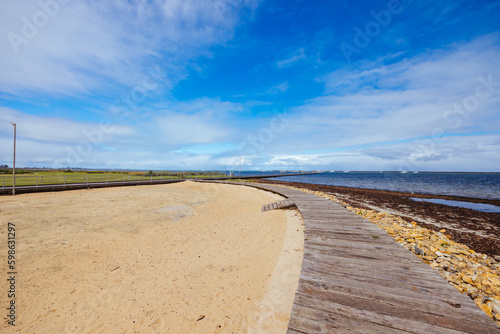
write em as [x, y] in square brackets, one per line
[467, 205]
[477, 185]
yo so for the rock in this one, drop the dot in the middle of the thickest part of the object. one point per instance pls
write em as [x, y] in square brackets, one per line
[441, 259]
[435, 265]
[428, 258]
[417, 250]
[439, 254]
[443, 243]
[474, 295]
[450, 267]
[463, 251]
[469, 289]
[467, 279]
[495, 305]
[453, 250]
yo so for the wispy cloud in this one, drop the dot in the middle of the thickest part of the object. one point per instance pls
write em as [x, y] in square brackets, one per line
[87, 45]
[281, 88]
[406, 99]
[292, 59]
[55, 129]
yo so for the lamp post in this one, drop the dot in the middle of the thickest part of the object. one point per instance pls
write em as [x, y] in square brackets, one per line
[14, 165]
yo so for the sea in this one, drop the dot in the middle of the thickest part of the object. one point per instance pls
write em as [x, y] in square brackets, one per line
[476, 185]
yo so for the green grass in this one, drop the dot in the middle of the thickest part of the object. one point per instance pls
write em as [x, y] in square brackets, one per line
[68, 177]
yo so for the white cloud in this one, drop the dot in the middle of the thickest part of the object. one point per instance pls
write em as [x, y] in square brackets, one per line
[281, 88]
[176, 129]
[201, 121]
[59, 130]
[292, 59]
[408, 99]
[48, 141]
[86, 44]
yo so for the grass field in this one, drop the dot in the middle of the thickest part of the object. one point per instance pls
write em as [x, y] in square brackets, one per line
[64, 177]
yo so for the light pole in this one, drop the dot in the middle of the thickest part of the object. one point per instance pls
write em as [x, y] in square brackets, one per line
[14, 166]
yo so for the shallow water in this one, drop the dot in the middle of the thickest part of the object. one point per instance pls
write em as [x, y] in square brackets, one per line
[477, 185]
[467, 205]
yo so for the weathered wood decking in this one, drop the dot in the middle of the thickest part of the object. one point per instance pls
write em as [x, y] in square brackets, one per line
[356, 279]
[286, 203]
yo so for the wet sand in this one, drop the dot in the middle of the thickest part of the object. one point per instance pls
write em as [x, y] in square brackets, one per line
[478, 230]
[178, 258]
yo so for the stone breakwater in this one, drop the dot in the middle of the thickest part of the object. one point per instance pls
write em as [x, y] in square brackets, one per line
[475, 274]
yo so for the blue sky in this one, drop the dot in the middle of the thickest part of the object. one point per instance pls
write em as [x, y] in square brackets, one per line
[170, 84]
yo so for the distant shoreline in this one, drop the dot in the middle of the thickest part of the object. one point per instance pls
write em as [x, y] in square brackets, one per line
[88, 169]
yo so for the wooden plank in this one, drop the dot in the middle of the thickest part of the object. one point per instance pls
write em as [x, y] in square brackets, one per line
[439, 302]
[403, 287]
[397, 272]
[344, 323]
[359, 308]
[342, 319]
[390, 293]
[278, 205]
[352, 255]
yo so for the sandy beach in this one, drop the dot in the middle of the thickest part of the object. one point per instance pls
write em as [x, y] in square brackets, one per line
[177, 258]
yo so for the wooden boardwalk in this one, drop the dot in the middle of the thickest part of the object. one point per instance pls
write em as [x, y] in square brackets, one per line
[356, 279]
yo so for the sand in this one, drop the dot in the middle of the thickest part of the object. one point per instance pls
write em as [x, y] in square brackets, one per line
[178, 258]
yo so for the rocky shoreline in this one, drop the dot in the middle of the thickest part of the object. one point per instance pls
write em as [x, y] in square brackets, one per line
[478, 230]
[470, 271]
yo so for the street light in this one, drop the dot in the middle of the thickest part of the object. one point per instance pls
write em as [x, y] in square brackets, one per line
[14, 166]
